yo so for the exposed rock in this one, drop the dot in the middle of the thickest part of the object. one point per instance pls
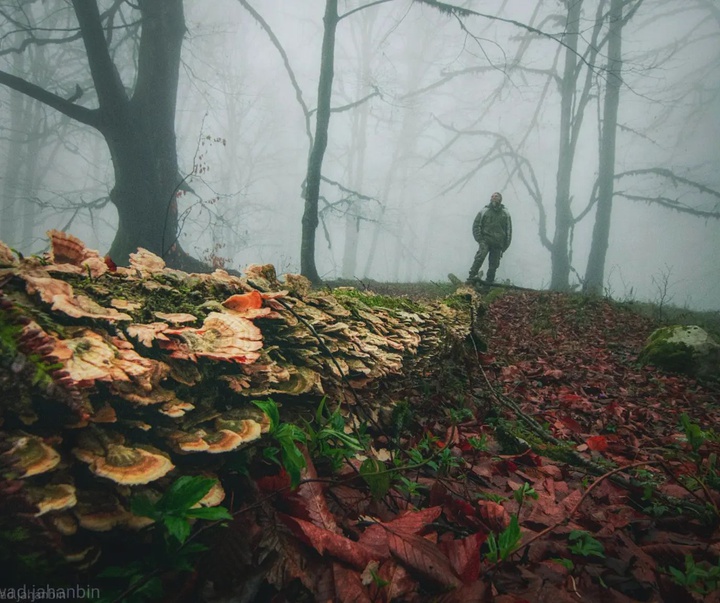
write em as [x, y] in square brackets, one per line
[683, 349]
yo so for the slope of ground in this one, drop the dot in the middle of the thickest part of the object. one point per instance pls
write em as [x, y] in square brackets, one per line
[563, 471]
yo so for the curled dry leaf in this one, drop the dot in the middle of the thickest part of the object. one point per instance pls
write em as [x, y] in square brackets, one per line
[494, 515]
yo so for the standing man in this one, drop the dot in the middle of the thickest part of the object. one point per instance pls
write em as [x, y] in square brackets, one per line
[492, 230]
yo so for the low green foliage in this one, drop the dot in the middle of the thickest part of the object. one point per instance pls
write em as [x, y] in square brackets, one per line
[328, 438]
[500, 547]
[701, 578]
[169, 551]
[695, 436]
[175, 509]
[376, 477]
[480, 444]
[585, 545]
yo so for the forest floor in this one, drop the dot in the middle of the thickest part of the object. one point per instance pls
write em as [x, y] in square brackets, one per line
[564, 471]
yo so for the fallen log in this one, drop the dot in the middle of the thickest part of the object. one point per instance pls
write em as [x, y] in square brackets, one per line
[115, 381]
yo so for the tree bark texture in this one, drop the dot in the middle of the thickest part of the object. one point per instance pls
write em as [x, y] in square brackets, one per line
[595, 273]
[563, 217]
[138, 127]
[310, 219]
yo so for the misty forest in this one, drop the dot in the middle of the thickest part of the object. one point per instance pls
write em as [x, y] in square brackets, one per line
[360, 300]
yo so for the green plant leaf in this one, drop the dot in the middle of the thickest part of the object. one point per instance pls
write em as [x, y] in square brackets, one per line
[375, 476]
[144, 507]
[124, 571]
[185, 492]
[270, 408]
[211, 513]
[585, 544]
[177, 527]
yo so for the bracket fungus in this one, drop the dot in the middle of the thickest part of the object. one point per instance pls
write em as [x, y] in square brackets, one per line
[131, 466]
[53, 497]
[29, 455]
[155, 390]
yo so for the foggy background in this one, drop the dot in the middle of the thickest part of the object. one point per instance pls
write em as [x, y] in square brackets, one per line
[418, 151]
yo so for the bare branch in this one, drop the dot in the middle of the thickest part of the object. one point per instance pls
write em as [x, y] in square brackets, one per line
[349, 191]
[450, 9]
[664, 172]
[671, 204]
[356, 103]
[359, 8]
[286, 62]
[84, 115]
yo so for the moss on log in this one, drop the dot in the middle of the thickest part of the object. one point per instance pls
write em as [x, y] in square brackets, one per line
[115, 381]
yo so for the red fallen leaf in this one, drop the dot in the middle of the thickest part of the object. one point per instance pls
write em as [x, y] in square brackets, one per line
[475, 592]
[274, 483]
[511, 373]
[413, 522]
[399, 583]
[597, 443]
[423, 556]
[485, 359]
[313, 497]
[571, 424]
[464, 555]
[112, 266]
[375, 537]
[348, 586]
[494, 514]
[570, 398]
[340, 547]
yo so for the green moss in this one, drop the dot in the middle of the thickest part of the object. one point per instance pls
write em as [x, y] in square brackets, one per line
[675, 356]
[458, 302]
[373, 300]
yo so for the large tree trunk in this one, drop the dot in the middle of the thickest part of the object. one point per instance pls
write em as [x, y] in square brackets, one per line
[595, 273]
[139, 129]
[140, 132]
[563, 216]
[310, 218]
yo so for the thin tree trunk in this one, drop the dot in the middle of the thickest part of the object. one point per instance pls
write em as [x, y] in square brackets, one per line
[563, 215]
[10, 203]
[595, 273]
[310, 219]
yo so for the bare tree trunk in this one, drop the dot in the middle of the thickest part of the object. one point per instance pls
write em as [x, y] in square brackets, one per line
[139, 130]
[310, 219]
[10, 203]
[357, 154]
[563, 217]
[595, 273]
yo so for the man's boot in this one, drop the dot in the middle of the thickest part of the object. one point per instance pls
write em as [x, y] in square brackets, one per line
[490, 275]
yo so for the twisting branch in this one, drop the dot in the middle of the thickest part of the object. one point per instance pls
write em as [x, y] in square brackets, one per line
[670, 204]
[457, 11]
[665, 173]
[286, 62]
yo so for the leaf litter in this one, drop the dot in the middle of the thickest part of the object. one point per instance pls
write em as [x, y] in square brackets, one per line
[618, 503]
